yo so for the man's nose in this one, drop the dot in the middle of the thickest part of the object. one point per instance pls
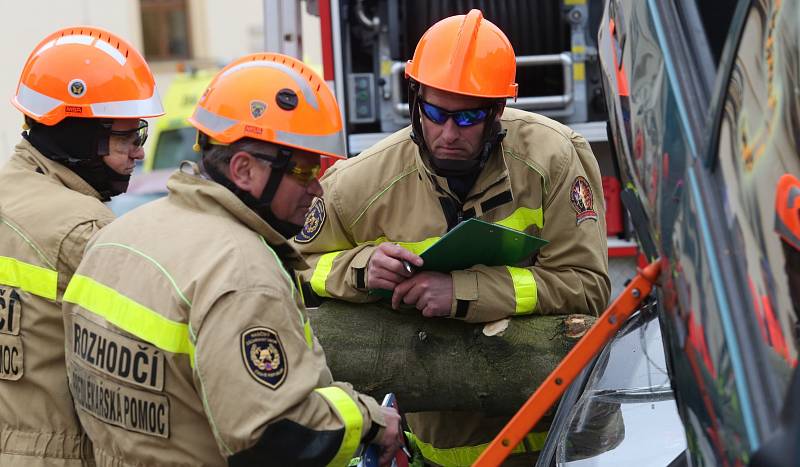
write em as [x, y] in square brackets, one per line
[450, 131]
[137, 153]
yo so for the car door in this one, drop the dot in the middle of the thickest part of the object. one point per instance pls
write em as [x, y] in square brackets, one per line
[703, 108]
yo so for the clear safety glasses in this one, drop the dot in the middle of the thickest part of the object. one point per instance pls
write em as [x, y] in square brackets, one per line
[136, 136]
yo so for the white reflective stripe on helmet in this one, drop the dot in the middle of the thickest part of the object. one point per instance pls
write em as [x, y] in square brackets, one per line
[311, 98]
[111, 50]
[75, 39]
[149, 107]
[213, 122]
[331, 144]
[45, 47]
[34, 101]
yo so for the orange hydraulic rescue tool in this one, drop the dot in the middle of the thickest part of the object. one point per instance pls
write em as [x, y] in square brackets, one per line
[566, 371]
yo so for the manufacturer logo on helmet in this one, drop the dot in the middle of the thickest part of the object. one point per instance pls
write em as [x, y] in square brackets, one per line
[257, 108]
[77, 88]
[253, 129]
[73, 109]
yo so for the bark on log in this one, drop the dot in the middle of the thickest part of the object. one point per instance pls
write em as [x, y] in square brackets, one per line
[443, 364]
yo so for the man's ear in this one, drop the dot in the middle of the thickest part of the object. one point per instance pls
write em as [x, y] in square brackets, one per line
[243, 171]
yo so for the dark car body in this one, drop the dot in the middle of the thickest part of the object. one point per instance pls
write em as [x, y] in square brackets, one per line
[704, 111]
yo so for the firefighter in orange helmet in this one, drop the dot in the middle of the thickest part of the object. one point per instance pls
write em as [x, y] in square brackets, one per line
[84, 92]
[464, 155]
[226, 368]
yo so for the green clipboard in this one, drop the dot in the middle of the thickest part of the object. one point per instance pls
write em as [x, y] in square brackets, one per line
[476, 242]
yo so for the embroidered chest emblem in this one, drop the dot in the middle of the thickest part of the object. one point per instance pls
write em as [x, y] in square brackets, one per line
[315, 219]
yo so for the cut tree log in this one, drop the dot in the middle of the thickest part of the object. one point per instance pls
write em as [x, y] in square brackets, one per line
[443, 364]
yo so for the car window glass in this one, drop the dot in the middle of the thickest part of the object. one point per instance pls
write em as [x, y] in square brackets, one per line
[173, 147]
[627, 400]
[759, 142]
[712, 18]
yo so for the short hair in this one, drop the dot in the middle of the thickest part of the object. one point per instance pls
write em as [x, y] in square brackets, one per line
[219, 156]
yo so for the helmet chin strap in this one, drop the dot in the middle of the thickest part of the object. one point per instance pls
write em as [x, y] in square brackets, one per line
[262, 205]
[493, 134]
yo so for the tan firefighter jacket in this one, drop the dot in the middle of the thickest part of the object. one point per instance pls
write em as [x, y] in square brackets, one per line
[188, 343]
[47, 214]
[544, 180]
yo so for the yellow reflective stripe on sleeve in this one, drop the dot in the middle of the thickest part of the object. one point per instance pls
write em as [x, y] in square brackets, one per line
[130, 316]
[414, 247]
[28, 277]
[524, 289]
[418, 247]
[351, 417]
[467, 455]
[321, 273]
[309, 335]
[523, 218]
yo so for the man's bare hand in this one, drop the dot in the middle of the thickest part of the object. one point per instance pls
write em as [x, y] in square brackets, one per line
[385, 268]
[392, 436]
[430, 292]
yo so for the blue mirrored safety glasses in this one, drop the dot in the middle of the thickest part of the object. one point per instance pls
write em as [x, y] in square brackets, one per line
[463, 118]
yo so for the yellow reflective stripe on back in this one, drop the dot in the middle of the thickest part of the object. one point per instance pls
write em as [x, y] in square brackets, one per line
[130, 316]
[351, 417]
[467, 455]
[524, 289]
[523, 218]
[28, 277]
[321, 273]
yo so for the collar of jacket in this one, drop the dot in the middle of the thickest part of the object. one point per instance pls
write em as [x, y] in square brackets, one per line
[494, 173]
[28, 157]
[190, 188]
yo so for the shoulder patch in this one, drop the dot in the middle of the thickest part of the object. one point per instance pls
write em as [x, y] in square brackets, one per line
[582, 200]
[263, 356]
[315, 219]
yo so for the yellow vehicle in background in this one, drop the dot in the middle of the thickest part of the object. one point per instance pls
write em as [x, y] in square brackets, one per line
[173, 136]
[173, 139]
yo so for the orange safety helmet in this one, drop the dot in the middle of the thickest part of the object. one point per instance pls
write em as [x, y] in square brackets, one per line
[274, 98]
[86, 72]
[787, 210]
[465, 54]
